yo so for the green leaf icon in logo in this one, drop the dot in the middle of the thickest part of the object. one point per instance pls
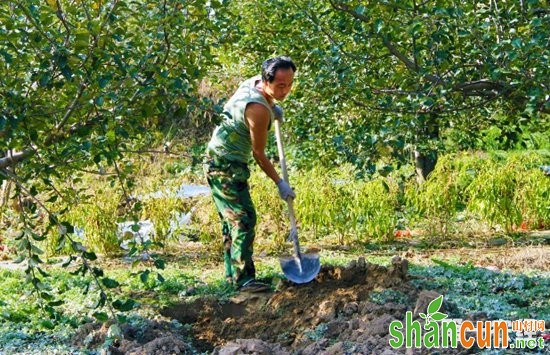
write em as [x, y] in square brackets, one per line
[438, 316]
[433, 310]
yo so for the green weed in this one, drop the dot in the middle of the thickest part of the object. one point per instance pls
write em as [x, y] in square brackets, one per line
[506, 193]
[334, 203]
[438, 200]
[500, 190]
[501, 295]
[96, 211]
[468, 194]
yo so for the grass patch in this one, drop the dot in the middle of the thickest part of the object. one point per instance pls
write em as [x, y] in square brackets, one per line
[500, 295]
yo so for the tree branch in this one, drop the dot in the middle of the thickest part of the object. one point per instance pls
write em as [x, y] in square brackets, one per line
[36, 24]
[480, 88]
[483, 87]
[70, 109]
[14, 158]
[10, 158]
[439, 112]
[61, 16]
[166, 38]
[409, 63]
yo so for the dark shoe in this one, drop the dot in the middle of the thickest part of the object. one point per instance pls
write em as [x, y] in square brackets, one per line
[254, 286]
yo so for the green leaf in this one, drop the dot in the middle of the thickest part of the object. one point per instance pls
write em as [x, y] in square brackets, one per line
[53, 219]
[133, 251]
[89, 255]
[111, 136]
[160, 264]
[160, 278]
[99, 101]
[35, 261]
[360, 9]
[109, 283]
[103, 81]
[77, 246]
[434, 305]
[68, 227]
[81, 270]
[19, 235]
[7, 57]
[86, 288]
[36, 250]
[48, 324]
[61, 243]
[378, 25]
[101, 316]
[38, 284]
[125, 306]
[101, 301]
[23, 245]
[19, 259]
[42, 272]
[56, 303]
[114, 332]
[416, 28]
[428, 102]
[68, 262]
[97, 272]
[144, 276]
[46, 296]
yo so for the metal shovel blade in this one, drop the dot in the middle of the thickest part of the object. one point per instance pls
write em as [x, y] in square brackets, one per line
[301, 269]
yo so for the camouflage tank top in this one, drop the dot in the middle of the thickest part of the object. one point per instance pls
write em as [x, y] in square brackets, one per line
[231, 139]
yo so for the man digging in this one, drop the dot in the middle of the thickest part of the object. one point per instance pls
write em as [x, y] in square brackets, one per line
[247, 118]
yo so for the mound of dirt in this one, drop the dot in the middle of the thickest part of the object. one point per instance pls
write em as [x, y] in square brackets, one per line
[335, 313]
[345, 310]
[149, 337]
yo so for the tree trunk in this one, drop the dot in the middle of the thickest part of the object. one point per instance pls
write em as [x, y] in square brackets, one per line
[425, 164]
[426, 159]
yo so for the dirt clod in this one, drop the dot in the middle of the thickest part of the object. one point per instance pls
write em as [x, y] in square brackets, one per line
[250, 346]
[149, 337]
[424, 299]
[333, 314]
[345, 310]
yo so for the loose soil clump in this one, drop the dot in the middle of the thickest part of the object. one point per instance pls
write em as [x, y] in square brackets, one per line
[345, 310]
[149, 337]
[336, 313]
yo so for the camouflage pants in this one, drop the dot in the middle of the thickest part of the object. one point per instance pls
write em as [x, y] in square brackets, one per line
[229, 184]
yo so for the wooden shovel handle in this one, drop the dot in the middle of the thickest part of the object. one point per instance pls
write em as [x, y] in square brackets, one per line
[289, 201]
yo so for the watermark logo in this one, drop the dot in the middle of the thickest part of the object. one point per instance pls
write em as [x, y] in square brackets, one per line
[439, 331]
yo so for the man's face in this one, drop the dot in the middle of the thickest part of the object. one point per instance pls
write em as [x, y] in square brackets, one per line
[281, 85]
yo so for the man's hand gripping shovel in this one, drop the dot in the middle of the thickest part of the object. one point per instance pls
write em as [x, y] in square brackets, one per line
[300, 268]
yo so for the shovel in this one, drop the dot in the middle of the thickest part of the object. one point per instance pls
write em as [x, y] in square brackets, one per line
[300, 268]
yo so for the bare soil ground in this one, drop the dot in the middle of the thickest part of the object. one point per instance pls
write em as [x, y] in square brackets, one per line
[334, 314]
[331, 315]
[289, 318]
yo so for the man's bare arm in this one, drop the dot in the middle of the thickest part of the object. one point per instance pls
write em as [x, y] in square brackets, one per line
[257, 118]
